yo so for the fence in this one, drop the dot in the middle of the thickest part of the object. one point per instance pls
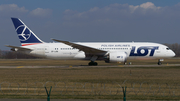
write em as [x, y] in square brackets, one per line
[107, 90]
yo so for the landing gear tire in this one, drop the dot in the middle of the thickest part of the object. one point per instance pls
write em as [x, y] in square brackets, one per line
[159, 63]
[93, 63]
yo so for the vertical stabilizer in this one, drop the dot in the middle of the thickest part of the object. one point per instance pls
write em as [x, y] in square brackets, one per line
[26, 36]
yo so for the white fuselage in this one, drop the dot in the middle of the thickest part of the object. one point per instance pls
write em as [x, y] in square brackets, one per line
[132, 49]
[107, 51]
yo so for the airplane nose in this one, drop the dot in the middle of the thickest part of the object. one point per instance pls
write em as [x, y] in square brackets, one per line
[173, 54]
[170, 53]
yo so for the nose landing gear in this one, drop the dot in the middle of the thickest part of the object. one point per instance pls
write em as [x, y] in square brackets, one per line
[160, 61]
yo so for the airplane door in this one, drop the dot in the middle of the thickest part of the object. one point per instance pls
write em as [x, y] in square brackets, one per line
[46, 49]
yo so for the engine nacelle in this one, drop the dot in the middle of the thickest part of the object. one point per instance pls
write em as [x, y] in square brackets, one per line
[80, 55]
[116, 57]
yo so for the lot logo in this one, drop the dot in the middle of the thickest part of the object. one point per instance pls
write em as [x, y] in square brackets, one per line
[23, 33]
[143, 51]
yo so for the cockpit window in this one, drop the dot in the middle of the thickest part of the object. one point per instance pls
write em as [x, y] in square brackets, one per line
[167, 49]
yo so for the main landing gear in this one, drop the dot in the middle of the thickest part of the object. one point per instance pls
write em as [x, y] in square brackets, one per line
[92, 63]
[93, 59]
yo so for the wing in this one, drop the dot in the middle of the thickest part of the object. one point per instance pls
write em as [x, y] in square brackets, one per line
[86, 49]
[18, 48]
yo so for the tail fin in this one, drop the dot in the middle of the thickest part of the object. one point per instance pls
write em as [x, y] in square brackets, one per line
[26, 36]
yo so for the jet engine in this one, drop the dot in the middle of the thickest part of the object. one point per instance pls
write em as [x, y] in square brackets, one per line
[80, 55]
[116, 57]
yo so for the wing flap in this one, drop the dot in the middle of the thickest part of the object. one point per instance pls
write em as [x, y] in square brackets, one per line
[86, 49]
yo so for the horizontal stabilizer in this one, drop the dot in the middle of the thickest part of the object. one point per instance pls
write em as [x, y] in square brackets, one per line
[18, 48]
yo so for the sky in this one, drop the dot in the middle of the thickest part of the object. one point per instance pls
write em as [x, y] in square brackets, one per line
[93, 20]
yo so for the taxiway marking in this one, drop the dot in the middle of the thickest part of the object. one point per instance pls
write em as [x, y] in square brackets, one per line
[20, 67]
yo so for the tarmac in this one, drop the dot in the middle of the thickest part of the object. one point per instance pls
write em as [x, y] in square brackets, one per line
[164, 65]
[54, 100]
[68, 100]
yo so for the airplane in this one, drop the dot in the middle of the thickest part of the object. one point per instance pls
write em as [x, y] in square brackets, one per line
[110, 52]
